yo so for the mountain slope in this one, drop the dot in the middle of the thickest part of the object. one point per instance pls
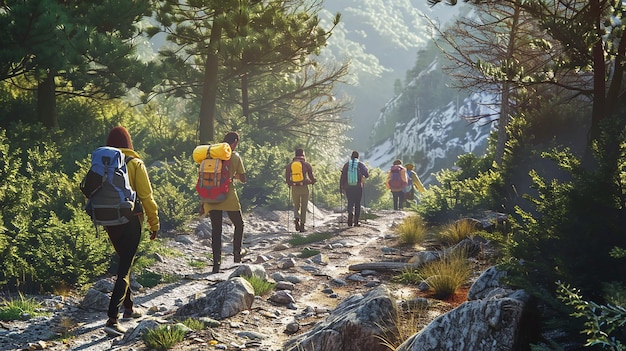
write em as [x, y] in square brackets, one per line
[425, 124]
[380, 38]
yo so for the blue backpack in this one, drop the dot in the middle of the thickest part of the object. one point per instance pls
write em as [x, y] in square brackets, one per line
[110, 199]
[353, 171]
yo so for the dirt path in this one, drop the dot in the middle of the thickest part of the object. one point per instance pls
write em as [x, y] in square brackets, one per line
[265, 240]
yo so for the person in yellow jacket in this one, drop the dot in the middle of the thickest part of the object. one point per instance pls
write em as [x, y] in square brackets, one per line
[125, 237]
[414, 183]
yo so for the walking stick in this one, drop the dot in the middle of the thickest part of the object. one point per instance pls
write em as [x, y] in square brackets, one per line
[313, 201]
[342, 208]
[288, 210]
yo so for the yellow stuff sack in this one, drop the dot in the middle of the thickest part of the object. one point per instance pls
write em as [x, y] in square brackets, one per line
[297, 174]
[220, 151]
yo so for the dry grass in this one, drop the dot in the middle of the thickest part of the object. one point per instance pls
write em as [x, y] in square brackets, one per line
[408, 322]
[412, 230]
[455, 232]
[447, 274]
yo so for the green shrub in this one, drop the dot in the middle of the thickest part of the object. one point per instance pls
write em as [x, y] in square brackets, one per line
[455, 196]
[49, 239]
[173, 184]
[375, 193]
[412, 230]
[163, 337]
[603, 324]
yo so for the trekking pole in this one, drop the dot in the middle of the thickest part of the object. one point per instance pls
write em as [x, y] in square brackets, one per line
[313, 201]
[342, 208]
[288, 199]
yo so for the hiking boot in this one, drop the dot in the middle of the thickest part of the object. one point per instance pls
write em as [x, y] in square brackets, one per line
[237, 256]
[113, 328]
[302, 230]
[132, 313]
[297, 223]
[216, 268]
[350, 218]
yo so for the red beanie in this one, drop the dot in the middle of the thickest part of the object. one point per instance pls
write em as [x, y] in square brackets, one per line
[119, 137]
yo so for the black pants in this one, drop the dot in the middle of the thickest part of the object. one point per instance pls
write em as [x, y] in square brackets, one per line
[354, 195]
[398, 199]
[216, 234]
[125, 239]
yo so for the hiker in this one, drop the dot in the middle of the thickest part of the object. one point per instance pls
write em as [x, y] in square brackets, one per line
[414, 182]
[351, 184]
[396, 182]
[231, 205]
[298, 175]
[125, 237]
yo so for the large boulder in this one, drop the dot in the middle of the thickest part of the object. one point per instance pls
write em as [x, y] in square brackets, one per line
[226, 300]
[355, 325]
[491, 320]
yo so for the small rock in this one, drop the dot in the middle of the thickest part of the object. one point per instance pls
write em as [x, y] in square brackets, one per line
[292, 327]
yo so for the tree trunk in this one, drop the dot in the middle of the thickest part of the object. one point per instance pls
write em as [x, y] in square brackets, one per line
[599, 83]
[209, 86]
[46, 102]
[505, 110]
[245, 103]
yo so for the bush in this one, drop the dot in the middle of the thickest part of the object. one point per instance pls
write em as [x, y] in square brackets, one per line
[455, 196]
[49, 239]
[375, 193]
[173, 184]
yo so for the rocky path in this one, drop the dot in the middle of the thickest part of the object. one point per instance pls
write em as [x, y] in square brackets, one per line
[321, 286]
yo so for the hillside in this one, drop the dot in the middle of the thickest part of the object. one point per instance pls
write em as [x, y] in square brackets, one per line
[381, 40]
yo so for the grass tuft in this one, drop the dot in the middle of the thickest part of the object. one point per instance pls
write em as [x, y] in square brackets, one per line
[447, 274]
[412, 230]
[163, 337]
[151, 279]
[299, 240]
[197, 264]
[454, 233]
[20, 309]
[194, 324]
[260, 285]
[308, 252]
[406, 324]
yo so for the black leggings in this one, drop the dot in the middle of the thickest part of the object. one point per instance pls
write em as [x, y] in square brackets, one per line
[125, 239]
[216, 233]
